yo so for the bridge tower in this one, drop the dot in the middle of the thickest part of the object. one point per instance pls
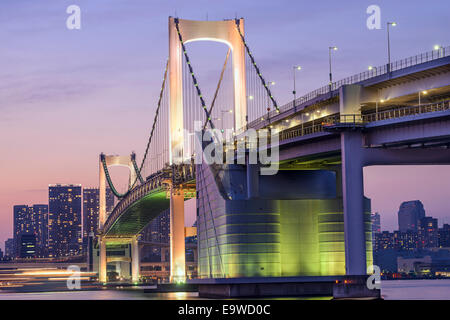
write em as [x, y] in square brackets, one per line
[220, 31]
[111, 161]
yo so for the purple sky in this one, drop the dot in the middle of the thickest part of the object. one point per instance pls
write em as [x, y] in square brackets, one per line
[66, 96]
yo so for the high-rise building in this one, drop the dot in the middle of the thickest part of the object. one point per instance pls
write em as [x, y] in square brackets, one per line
[383, 241]
[64, 220]
[31, 220]
[10, 248]
[444, 236]
[40, 218]
[405, 240]
[23, 224]
[1, 254]
[157, 231]
[376, 222]
[428, 233]
[376, 225]
[27, 245]
[91, 207]
[110, 201]
[409, 215]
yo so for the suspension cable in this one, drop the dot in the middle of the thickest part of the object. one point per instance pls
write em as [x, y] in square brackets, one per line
[218, 85]
[108, 178]
[138, 170]
[199, 93]
[258, 72]
[154, 121]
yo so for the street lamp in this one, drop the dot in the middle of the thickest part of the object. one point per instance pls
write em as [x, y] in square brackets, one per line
[372, 68]
[269, 83]
[439, 49]
[222, 112]
[424, 92]
[389, 44]
[306, 114]
[334, 48]
[294, 92]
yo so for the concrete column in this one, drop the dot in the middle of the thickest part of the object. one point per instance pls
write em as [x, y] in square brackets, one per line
[353, 200]
[338, 172]
[135, 263]
[252, 181]
[102, 261]
[133, 174]
[177, 244]
[350, 102]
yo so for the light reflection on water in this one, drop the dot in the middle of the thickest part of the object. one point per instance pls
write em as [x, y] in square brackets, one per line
[100, 295]
[390, 290]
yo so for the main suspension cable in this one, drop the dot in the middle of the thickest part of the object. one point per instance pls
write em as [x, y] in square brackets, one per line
[258, 72]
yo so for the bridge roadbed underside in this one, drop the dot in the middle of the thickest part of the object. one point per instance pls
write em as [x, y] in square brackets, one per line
[139, 214]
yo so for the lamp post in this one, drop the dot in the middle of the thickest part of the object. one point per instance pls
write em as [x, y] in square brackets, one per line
[334, 48]
[439, 49]
[313, 118]
[294, 92]
[223, 112]
[249, 97]
[424, 92]
[389, 44]
[307, 114]
[269, 83]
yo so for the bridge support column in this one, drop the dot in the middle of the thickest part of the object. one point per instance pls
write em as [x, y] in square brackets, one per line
[102, 261]
[252, 180]
[135, 263]
[177, 244]
[353, 200]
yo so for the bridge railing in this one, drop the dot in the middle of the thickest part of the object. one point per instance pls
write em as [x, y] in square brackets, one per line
[407, 111]
[358, 120]
[372, 73]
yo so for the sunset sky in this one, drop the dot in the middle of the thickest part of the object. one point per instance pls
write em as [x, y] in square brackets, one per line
[67, 95]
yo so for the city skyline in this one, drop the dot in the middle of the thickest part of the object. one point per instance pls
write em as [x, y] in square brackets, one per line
[57, 94]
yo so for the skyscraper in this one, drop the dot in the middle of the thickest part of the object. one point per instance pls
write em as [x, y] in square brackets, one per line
[40, 218]
[444, 236]
[27, 246]
[428, 233]
[376, 226]
[9, 248]
[91, 206]
[64, 220]
[90, 211]
[23, 224]
[31, 221]
[409, 215]
[157, 231]
[376, 223]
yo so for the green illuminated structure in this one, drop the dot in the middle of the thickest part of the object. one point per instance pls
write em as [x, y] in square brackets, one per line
[271, 238]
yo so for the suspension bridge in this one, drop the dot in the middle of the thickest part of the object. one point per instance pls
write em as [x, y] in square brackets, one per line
[311, 219]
